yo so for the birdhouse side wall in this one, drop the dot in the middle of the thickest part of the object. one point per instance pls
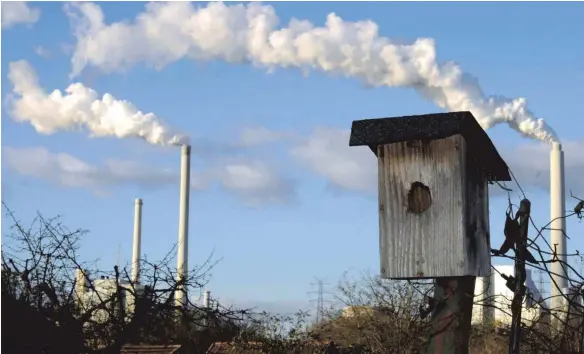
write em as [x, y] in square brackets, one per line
[477, 243]
[421, 236]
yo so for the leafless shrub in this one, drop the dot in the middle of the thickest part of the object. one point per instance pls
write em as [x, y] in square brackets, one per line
[41, 295]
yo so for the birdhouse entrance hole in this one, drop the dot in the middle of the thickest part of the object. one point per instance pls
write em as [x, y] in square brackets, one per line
[419, 198]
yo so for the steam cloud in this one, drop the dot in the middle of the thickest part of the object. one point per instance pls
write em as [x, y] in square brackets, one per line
[81, 107]
[167, 32]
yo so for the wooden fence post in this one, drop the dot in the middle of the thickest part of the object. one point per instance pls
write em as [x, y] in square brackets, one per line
[451, 318]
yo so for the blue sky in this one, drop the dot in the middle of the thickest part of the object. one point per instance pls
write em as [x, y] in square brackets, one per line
[305, 204]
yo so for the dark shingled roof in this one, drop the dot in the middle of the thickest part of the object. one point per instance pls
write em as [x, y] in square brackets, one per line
[374, 132]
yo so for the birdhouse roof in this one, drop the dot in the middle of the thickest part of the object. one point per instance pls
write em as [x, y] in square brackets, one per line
[381, 131]
[150, 349]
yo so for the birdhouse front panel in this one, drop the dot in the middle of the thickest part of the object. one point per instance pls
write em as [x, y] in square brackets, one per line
[433, 210]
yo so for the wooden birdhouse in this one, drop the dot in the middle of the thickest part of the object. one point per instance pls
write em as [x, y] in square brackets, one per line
[433, 179]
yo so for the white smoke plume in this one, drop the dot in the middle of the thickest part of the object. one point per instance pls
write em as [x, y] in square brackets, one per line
[167, 32]
[80, 107]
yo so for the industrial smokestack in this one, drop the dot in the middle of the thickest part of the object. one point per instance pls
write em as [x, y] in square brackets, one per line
[137, 240]
[183, 224]
[80, 285]
[79, 282]
[207, 307]
[558, 224]
[207, 299]
[489, 301]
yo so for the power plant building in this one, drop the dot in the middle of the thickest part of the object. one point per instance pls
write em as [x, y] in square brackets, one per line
[493, 299]
[103, 290]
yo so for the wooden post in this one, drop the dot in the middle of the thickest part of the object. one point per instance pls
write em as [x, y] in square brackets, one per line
[519, 291]
[451, 318]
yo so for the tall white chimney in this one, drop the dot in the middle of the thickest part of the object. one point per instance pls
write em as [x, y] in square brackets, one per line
[558, 223]
[80, 285]
[137, 240]
[183, 224]
[207, 307]
[489, 299]
[207, 299]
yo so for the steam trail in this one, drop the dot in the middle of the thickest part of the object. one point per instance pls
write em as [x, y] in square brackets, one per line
[81, 107]
[167, 32]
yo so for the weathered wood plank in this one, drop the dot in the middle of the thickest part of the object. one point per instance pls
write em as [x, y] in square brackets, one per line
[433, 210]
[477, 242]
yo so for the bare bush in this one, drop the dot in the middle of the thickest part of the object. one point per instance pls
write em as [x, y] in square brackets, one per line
[390, 316]
[41, 295]
[43, 292]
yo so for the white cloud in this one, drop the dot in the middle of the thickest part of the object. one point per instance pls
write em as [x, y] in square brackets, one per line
[42, 52]
[530, 163]
[68, 171]
[18, 12]
[255, 182]
[327, 153]
[252, 181]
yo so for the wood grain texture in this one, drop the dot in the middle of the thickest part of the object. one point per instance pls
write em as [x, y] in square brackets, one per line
[448, 239]
[477, 240]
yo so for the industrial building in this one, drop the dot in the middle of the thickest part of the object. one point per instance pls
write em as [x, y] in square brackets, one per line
[493, 298]
[495, 287]
[101, 291]
[104, 288]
